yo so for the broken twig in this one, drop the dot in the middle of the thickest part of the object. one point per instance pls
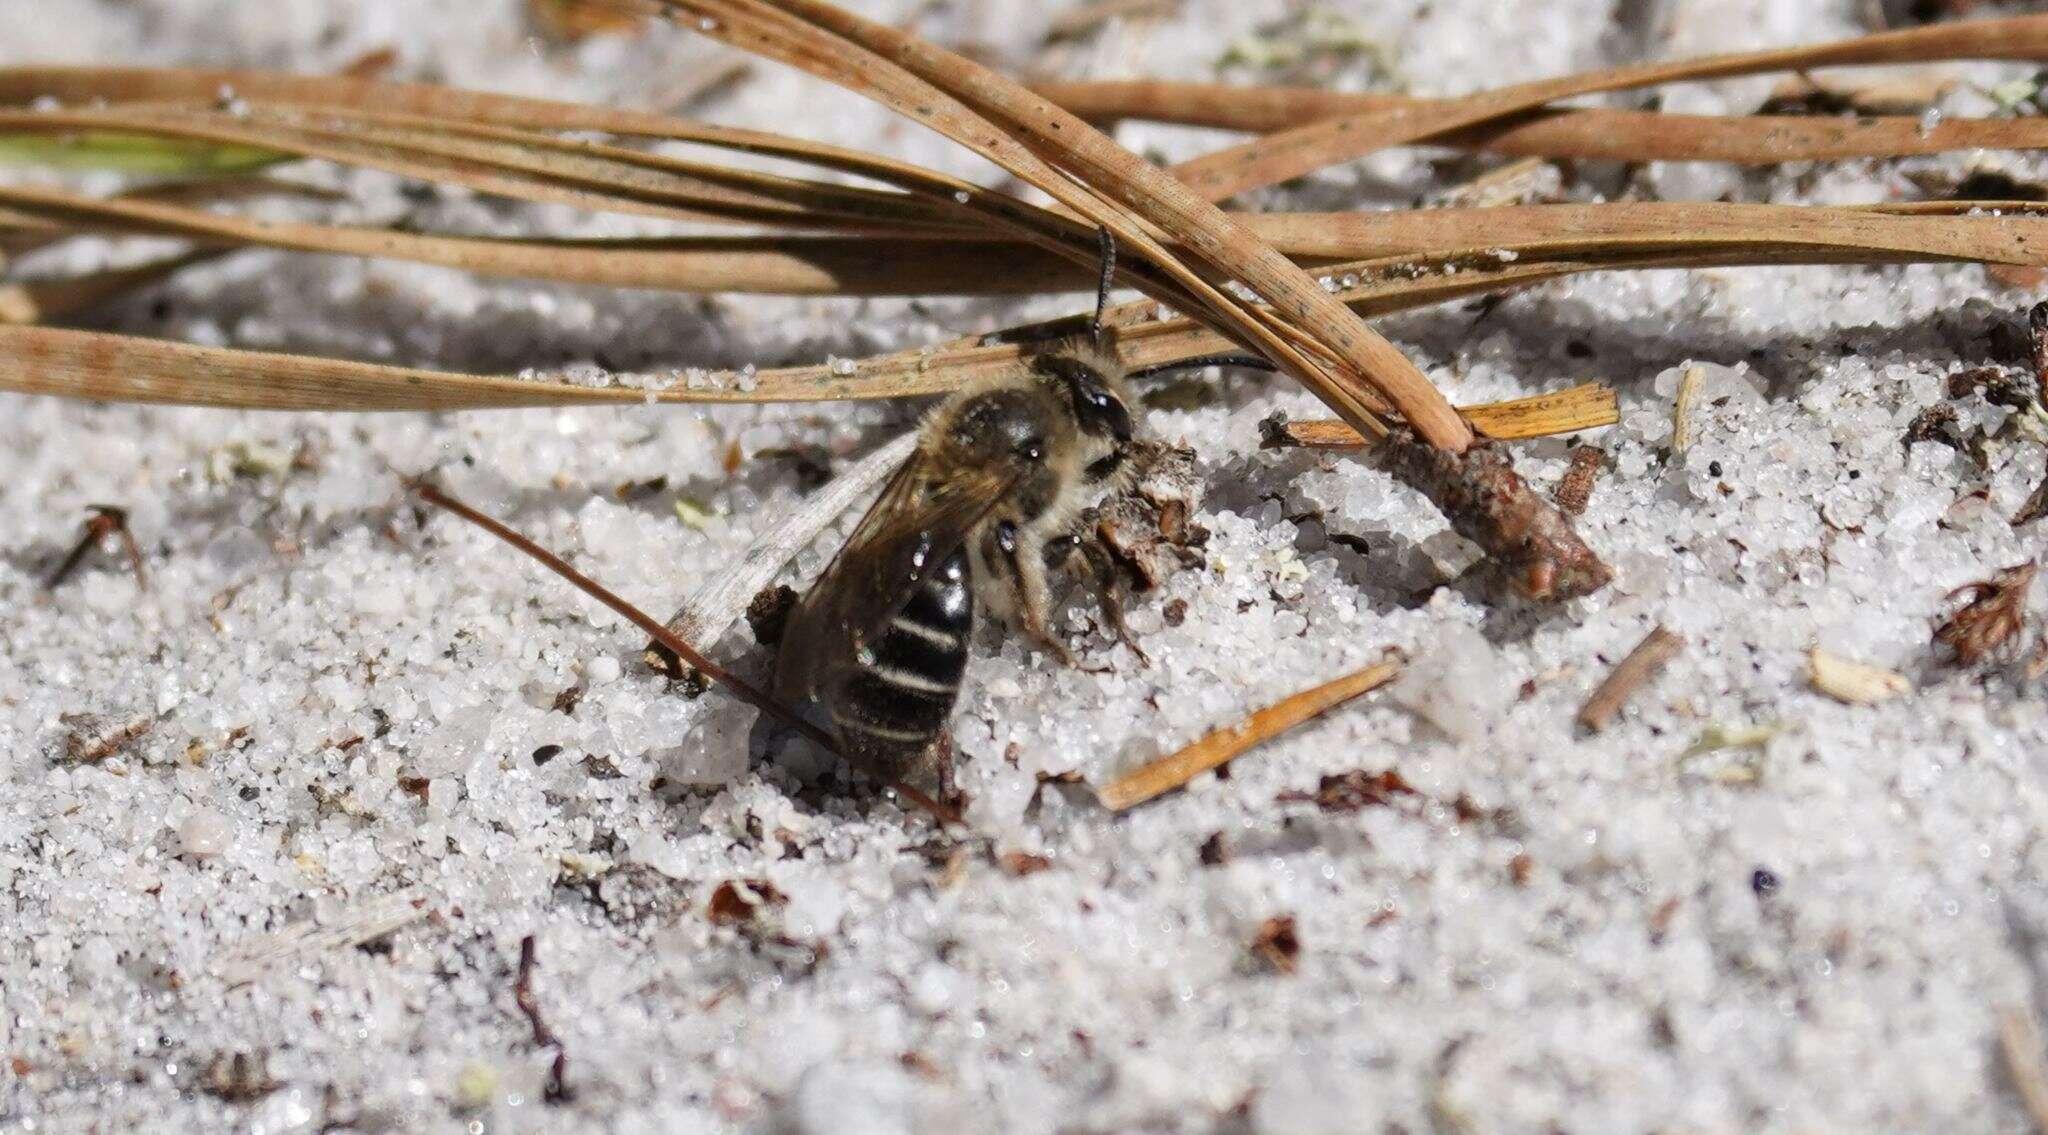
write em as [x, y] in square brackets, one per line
[1222, 745]
[557, 1089]
[1649, 656]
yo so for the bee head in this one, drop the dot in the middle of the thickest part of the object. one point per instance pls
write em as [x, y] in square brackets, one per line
[1098, 406]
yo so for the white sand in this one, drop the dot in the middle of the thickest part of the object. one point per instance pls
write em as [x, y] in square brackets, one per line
[1810, 935]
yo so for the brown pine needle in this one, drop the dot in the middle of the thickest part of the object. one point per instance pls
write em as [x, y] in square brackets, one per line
[1545, 415]
[2019, 1039]
[1559, 132]
[1527, 235]
[1223, 745]
[740, 687]
[1657, 649]
[1304, 149]
[100, 366]
[1308, 333]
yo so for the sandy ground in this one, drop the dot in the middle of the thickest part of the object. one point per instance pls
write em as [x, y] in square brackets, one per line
[370, 755]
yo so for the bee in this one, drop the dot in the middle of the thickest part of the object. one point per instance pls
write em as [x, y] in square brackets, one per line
[996, 496]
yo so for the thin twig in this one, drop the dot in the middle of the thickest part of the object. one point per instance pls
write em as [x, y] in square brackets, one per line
[557, 1089]
[1223, 745]
[106, 520]
[1659, 647]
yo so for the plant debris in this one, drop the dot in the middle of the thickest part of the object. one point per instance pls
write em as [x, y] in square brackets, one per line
[238, 1077]
[1853, 683]
[557, 1088]
[1527, 539]
[1995, 610]
[1650, 655]
[2019, 1040]
[1276, 944]
[738, 901]
[1356, 790]
[1220, 746]
[105, 521]
[92, 738]
[1018, 864]
[1575, 489]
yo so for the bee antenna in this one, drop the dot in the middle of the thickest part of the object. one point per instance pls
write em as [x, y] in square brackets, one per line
[1108, 242]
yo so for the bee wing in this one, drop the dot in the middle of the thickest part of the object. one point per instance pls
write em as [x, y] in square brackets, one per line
[920, 519]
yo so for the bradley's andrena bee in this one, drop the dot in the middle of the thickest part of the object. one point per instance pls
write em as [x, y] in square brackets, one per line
[991, 500]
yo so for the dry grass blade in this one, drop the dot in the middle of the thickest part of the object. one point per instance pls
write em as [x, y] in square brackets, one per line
[1110, 186]
[1578, 133]
[1304, 149]
[1223, 745]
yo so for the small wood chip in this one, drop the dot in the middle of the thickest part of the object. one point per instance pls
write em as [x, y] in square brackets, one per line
[1853, 683]
[1576, 487]
[1689, 382]
[1650, 655]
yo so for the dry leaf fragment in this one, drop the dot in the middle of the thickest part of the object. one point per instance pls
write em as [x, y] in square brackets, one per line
[1996, 611]
[1356, 790]
[1853, 683]
[1277, 945]
[1018, 864]
[739, 901]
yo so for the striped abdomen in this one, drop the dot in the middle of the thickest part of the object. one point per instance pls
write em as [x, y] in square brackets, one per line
[901, 695]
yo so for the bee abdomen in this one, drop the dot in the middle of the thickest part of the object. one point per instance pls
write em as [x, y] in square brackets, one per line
[901, 696]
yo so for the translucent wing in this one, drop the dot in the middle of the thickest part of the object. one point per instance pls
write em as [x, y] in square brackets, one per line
[921, 518]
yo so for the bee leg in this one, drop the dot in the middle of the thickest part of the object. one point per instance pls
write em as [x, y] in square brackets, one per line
[1109, 595]
[1023, 562]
